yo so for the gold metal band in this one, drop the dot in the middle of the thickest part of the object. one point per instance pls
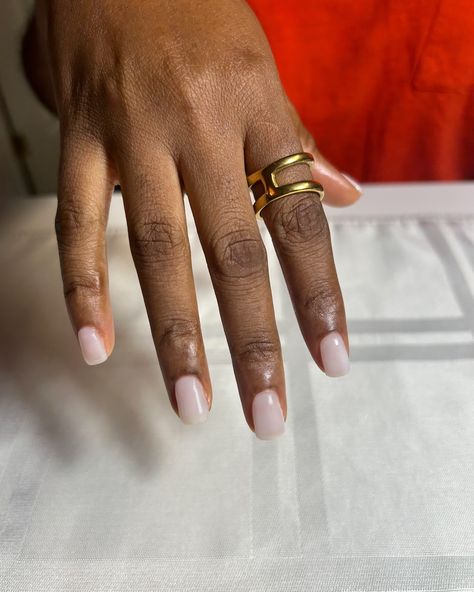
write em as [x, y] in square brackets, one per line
[272, 191]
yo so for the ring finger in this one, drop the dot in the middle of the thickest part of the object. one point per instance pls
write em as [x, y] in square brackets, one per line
[302, 241]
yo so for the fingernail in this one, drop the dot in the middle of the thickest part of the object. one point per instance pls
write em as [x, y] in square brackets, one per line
[92, 346]
[353, 182]
[334, 355]
[267, 415]
[192, 403]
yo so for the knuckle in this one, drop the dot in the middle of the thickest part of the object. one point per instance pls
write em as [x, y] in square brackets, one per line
[237, 254]
[248, 60]
[103, 101]
[155, 240]
[242, 60]
[87, 286]
[180, 334]
[204, 86]
[75, 226]
[257, 350]
[67, 220]
[79, 111]
[194, 86]
[300, 220]
[321, 299]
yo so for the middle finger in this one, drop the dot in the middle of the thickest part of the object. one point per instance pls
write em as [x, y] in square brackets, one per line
[237, 262]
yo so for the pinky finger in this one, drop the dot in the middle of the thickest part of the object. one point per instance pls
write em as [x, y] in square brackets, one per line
[84, 190]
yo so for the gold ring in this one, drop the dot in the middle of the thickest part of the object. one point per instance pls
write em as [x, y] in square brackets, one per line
[265, 179]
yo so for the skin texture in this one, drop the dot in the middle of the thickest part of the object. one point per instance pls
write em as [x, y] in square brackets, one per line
[162, 97]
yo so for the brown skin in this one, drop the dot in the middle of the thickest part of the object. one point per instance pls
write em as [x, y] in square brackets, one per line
[163, 96]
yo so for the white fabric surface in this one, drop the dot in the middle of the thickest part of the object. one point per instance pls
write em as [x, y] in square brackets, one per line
[372, 487]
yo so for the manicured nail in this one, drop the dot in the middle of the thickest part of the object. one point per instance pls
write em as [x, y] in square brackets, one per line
[353, 182]
[92, 346]
[267, 415]
[192, 403]
[334, 355]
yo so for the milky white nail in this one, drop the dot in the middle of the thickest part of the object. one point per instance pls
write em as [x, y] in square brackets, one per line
[267, 415]
[192, 403]
[92, 346]
[334, 355]
[353, 182]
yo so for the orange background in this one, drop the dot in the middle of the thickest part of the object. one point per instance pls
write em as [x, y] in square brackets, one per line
[385, 86]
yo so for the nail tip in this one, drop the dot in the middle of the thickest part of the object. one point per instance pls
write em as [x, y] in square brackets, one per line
[95, 362]
[337, 374]
[190, 421]
[353, 182]
[269, 437]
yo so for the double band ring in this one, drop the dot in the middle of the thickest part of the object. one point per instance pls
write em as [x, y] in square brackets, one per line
[265, 181]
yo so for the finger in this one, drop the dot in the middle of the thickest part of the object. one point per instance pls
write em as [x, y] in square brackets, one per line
[84, 190]
[237, 263]
[301, 237]
[340, 189]
[160, 249]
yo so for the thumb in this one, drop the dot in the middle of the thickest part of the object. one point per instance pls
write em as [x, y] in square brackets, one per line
[339, 189]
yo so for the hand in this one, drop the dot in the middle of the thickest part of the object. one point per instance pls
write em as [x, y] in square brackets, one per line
[163, 97]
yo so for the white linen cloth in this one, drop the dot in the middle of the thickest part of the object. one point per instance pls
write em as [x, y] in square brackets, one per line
[371, 488]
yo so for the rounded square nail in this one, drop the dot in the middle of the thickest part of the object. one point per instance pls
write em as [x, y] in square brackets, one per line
[267, 415]
[92, 346]
[191, 399]
[334, 355]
